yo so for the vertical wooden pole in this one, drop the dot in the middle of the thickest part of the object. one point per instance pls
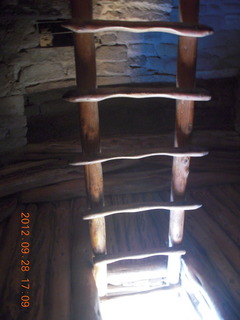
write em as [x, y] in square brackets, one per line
[90, 133]
[186, 71]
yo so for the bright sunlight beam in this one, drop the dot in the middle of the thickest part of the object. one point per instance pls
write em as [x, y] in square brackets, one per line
[185, 302]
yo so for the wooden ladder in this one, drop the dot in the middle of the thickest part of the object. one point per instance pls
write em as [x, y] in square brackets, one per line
[88, 95]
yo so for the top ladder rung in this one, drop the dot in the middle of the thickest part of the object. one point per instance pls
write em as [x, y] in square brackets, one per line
[177, 28]
[104, 93]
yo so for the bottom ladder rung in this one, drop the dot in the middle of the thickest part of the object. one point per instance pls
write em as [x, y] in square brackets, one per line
[111, 258]
[142, 292]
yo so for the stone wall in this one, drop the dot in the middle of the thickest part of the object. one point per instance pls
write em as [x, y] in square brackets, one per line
[12, 122]
[26, 69]
[152, 57]
[23, 65]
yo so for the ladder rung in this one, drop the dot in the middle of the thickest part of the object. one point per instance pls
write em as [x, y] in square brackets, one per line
[111, 258]
[177, 28]
[171, 152]
[140, 292]
[104, 93]
[139, 207]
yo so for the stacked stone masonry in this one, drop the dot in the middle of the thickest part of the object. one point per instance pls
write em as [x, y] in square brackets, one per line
[25, 68]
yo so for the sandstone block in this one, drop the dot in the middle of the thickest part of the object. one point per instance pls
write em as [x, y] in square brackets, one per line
[108, 39]
[155, 63]
[167, 50]
[112, 53]
[18, 132]
[13, 105]
[111, 68]
[174, 14]
[104, 81]
[169, 38]
[170, 66]
[128, 37]
[138, 71]
[45, 72]
[151, 38]
[132, 9]
[154, 78]
[138, 61]
[40, 56]
[10, 122]
[142, 49]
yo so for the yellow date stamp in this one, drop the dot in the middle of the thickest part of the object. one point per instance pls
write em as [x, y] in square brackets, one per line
[25, 265]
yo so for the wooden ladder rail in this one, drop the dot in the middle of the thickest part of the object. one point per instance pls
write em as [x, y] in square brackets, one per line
[90, 134]
[186, 71]
[88, 95]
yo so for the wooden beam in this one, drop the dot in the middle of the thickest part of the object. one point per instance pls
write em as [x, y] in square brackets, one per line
[104, 93]
[180, 29]
[130, 183]
[60, 290]
[7, 207]
[209, 139]
[52, 180]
